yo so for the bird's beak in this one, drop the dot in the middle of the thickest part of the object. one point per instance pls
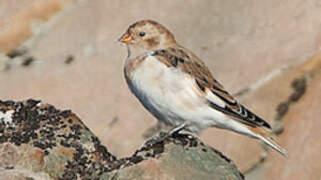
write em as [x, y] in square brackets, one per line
[126, 38]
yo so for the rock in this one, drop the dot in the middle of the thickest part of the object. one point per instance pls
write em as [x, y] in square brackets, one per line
[178, 157]
[38, 141]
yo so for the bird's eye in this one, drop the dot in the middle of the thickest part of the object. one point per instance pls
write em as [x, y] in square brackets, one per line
[142, 34]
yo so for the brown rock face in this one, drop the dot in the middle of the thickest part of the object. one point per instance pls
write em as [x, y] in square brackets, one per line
[38, 141]
[298, 116]
[301, 135]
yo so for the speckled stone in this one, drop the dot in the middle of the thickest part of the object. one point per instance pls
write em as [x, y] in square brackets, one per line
[178, 157]
[38, 137]
[38, 141]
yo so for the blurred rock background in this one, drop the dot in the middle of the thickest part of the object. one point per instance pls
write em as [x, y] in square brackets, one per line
[65, 52]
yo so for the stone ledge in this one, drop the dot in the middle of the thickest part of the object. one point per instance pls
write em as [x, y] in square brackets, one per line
[38, 141]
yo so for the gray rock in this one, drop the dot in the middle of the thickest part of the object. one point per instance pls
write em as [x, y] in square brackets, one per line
[38, 141]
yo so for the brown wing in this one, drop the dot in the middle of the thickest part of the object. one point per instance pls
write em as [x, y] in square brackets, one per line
[180, 57]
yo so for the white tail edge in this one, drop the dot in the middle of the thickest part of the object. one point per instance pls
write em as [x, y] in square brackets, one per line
[270, 142]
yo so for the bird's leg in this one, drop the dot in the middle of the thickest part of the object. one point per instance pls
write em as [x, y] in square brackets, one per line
[164, 135]
[177, 129]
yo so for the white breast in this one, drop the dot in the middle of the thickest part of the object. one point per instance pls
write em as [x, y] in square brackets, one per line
[168, 93]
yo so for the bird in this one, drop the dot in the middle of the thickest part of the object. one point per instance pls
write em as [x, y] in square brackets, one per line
[178, 89]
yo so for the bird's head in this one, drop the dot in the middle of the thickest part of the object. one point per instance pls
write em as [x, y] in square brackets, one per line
[147, 35]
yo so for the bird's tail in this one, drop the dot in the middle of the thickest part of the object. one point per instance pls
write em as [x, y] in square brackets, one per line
[273, 144]
[264, 135]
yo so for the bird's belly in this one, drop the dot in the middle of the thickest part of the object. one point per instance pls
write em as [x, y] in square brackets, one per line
[168, 93]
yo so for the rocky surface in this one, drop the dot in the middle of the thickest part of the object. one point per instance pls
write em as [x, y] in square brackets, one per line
[38, 141]
[180, 156]
[36, 137]
[257, 49]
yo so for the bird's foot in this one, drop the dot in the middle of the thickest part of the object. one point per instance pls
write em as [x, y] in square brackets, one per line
[163, 135]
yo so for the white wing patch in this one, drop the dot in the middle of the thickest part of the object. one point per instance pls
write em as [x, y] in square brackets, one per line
[214, 99]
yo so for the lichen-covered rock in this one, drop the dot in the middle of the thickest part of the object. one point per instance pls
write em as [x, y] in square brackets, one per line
[179, 157]
[38, 141]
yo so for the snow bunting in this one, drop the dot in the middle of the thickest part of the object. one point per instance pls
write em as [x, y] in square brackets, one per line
[175, 86]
